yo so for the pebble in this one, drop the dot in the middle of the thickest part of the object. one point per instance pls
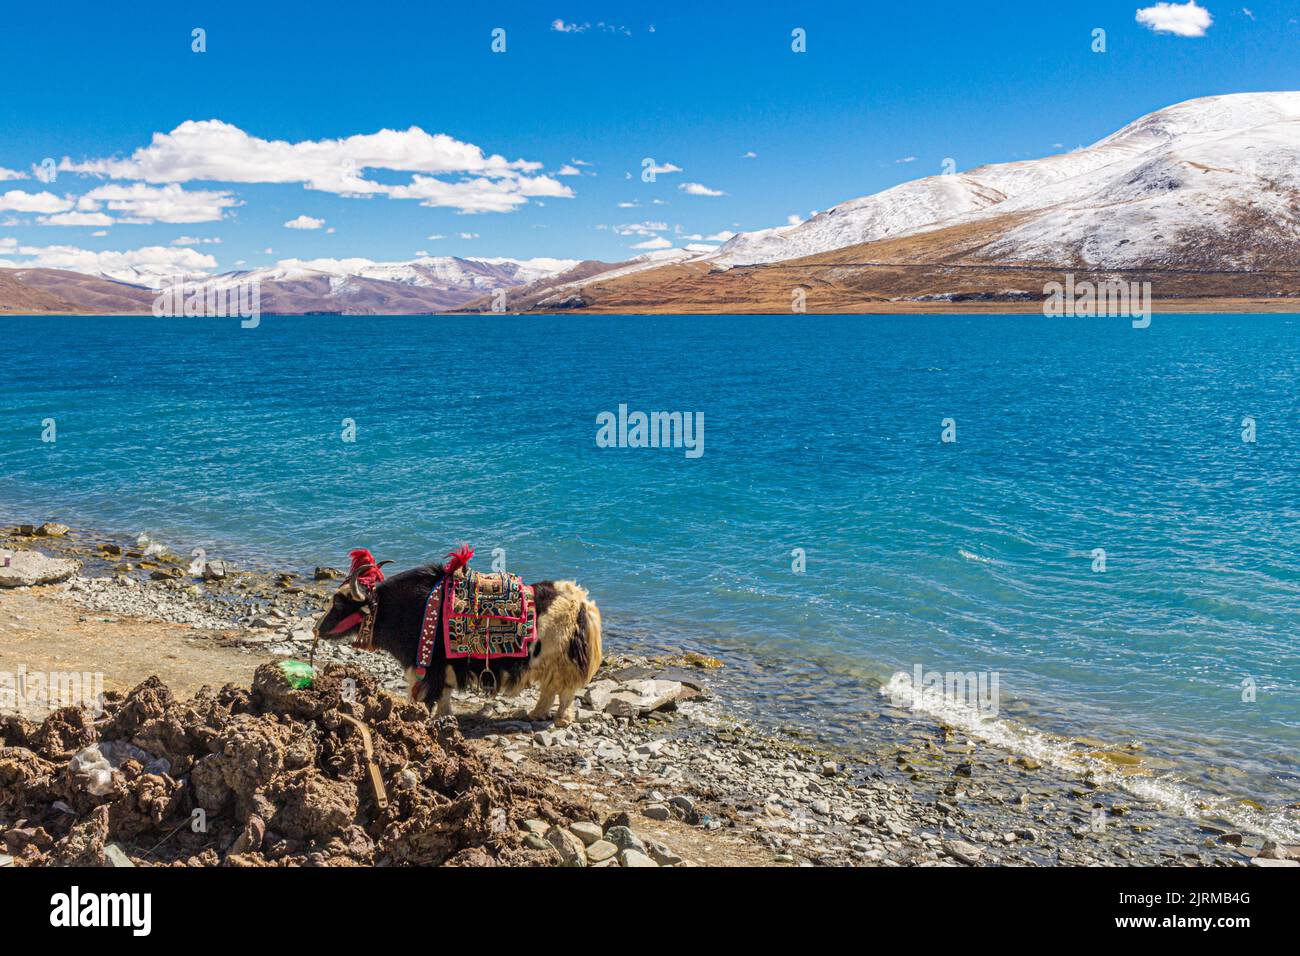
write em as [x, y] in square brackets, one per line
[588, 833]
[600, 851]
[634, 858]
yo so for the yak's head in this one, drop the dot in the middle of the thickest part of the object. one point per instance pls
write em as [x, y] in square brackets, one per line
[348, 607]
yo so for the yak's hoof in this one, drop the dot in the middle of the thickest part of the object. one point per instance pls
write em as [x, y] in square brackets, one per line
[562, 721]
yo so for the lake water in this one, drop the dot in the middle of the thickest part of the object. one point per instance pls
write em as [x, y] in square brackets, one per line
[825, 538]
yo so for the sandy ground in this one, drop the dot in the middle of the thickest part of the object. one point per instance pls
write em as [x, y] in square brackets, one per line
[42, 635]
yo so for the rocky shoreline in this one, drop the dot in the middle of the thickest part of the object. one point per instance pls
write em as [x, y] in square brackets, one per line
[661, 756]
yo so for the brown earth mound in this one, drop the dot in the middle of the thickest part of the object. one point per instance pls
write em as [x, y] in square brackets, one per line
[279, 774]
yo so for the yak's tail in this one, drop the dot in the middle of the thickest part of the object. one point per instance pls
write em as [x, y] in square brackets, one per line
[584, 648]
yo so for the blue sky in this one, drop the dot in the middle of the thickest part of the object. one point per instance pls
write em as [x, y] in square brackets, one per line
[884, 93]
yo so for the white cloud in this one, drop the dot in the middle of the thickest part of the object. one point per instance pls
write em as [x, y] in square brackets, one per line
[304, 222]
[559, 26]
[906, 159]
[194, 241]
[467, 235]
[158, 260]
[211, 150]
[435, 237]
[98, 234]
[139, 203]
[18, 201]
[750, 154]
[640, 228]
[699, 247]
[11, 174]
[699, 189]
[722, 236]
[581, 162]
[568, 170]
[658, 242]
[629, 205]
[657, 170]
[76, 219]
[1181, 19]
[793, 219]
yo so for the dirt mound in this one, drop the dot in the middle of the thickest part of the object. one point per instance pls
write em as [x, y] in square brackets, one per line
[272, 776]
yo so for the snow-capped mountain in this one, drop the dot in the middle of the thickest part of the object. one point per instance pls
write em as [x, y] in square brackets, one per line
[431, 284]
[1216, 170]
[446, 272]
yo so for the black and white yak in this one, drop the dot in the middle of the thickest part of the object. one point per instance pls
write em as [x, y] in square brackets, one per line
[561, 661]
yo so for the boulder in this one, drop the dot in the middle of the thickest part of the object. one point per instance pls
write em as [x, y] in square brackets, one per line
[597, 694]
[635, 858]
[571, 849]
[600, 851]
[638, 697]
[588, 833]
[28, 568]
[52, 529]
[624, 839]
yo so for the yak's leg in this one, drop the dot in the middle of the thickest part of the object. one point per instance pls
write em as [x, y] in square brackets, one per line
[544, 700]
[564, 716]
[416, 685]
[444, 699]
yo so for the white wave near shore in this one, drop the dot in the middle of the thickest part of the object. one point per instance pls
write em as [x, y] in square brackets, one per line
[976, 718]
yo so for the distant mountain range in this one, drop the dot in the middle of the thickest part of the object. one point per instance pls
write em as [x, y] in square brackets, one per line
[1202, 199]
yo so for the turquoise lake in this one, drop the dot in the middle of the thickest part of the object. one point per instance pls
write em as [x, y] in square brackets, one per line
[826, 536]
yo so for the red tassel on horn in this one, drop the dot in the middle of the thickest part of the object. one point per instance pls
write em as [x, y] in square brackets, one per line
[364, 561]
[458, 558]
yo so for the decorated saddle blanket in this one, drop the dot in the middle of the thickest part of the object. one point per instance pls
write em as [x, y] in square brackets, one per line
[479, 616]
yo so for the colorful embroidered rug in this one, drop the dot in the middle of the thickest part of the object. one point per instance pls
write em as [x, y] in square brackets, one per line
[479, 616]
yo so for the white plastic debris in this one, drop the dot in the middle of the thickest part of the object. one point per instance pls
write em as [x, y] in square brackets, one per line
[95, 765]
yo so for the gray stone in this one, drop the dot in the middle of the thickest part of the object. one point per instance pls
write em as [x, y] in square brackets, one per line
[600, 851]
[52, 529]
[572, 851]
[1272, 850]
[684, 804]
[624, 839]
[638, 697]
[963, 852]
[534, 841]
[1267, 861]
[114, 855]
[634, 858]
[30, 568]
[656, 811]
[536, 826]
[587, 832]
[597, 694]
[214, 571]
[661, 854]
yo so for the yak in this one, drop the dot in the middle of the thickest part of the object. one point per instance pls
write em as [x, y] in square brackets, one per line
[387, 614]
